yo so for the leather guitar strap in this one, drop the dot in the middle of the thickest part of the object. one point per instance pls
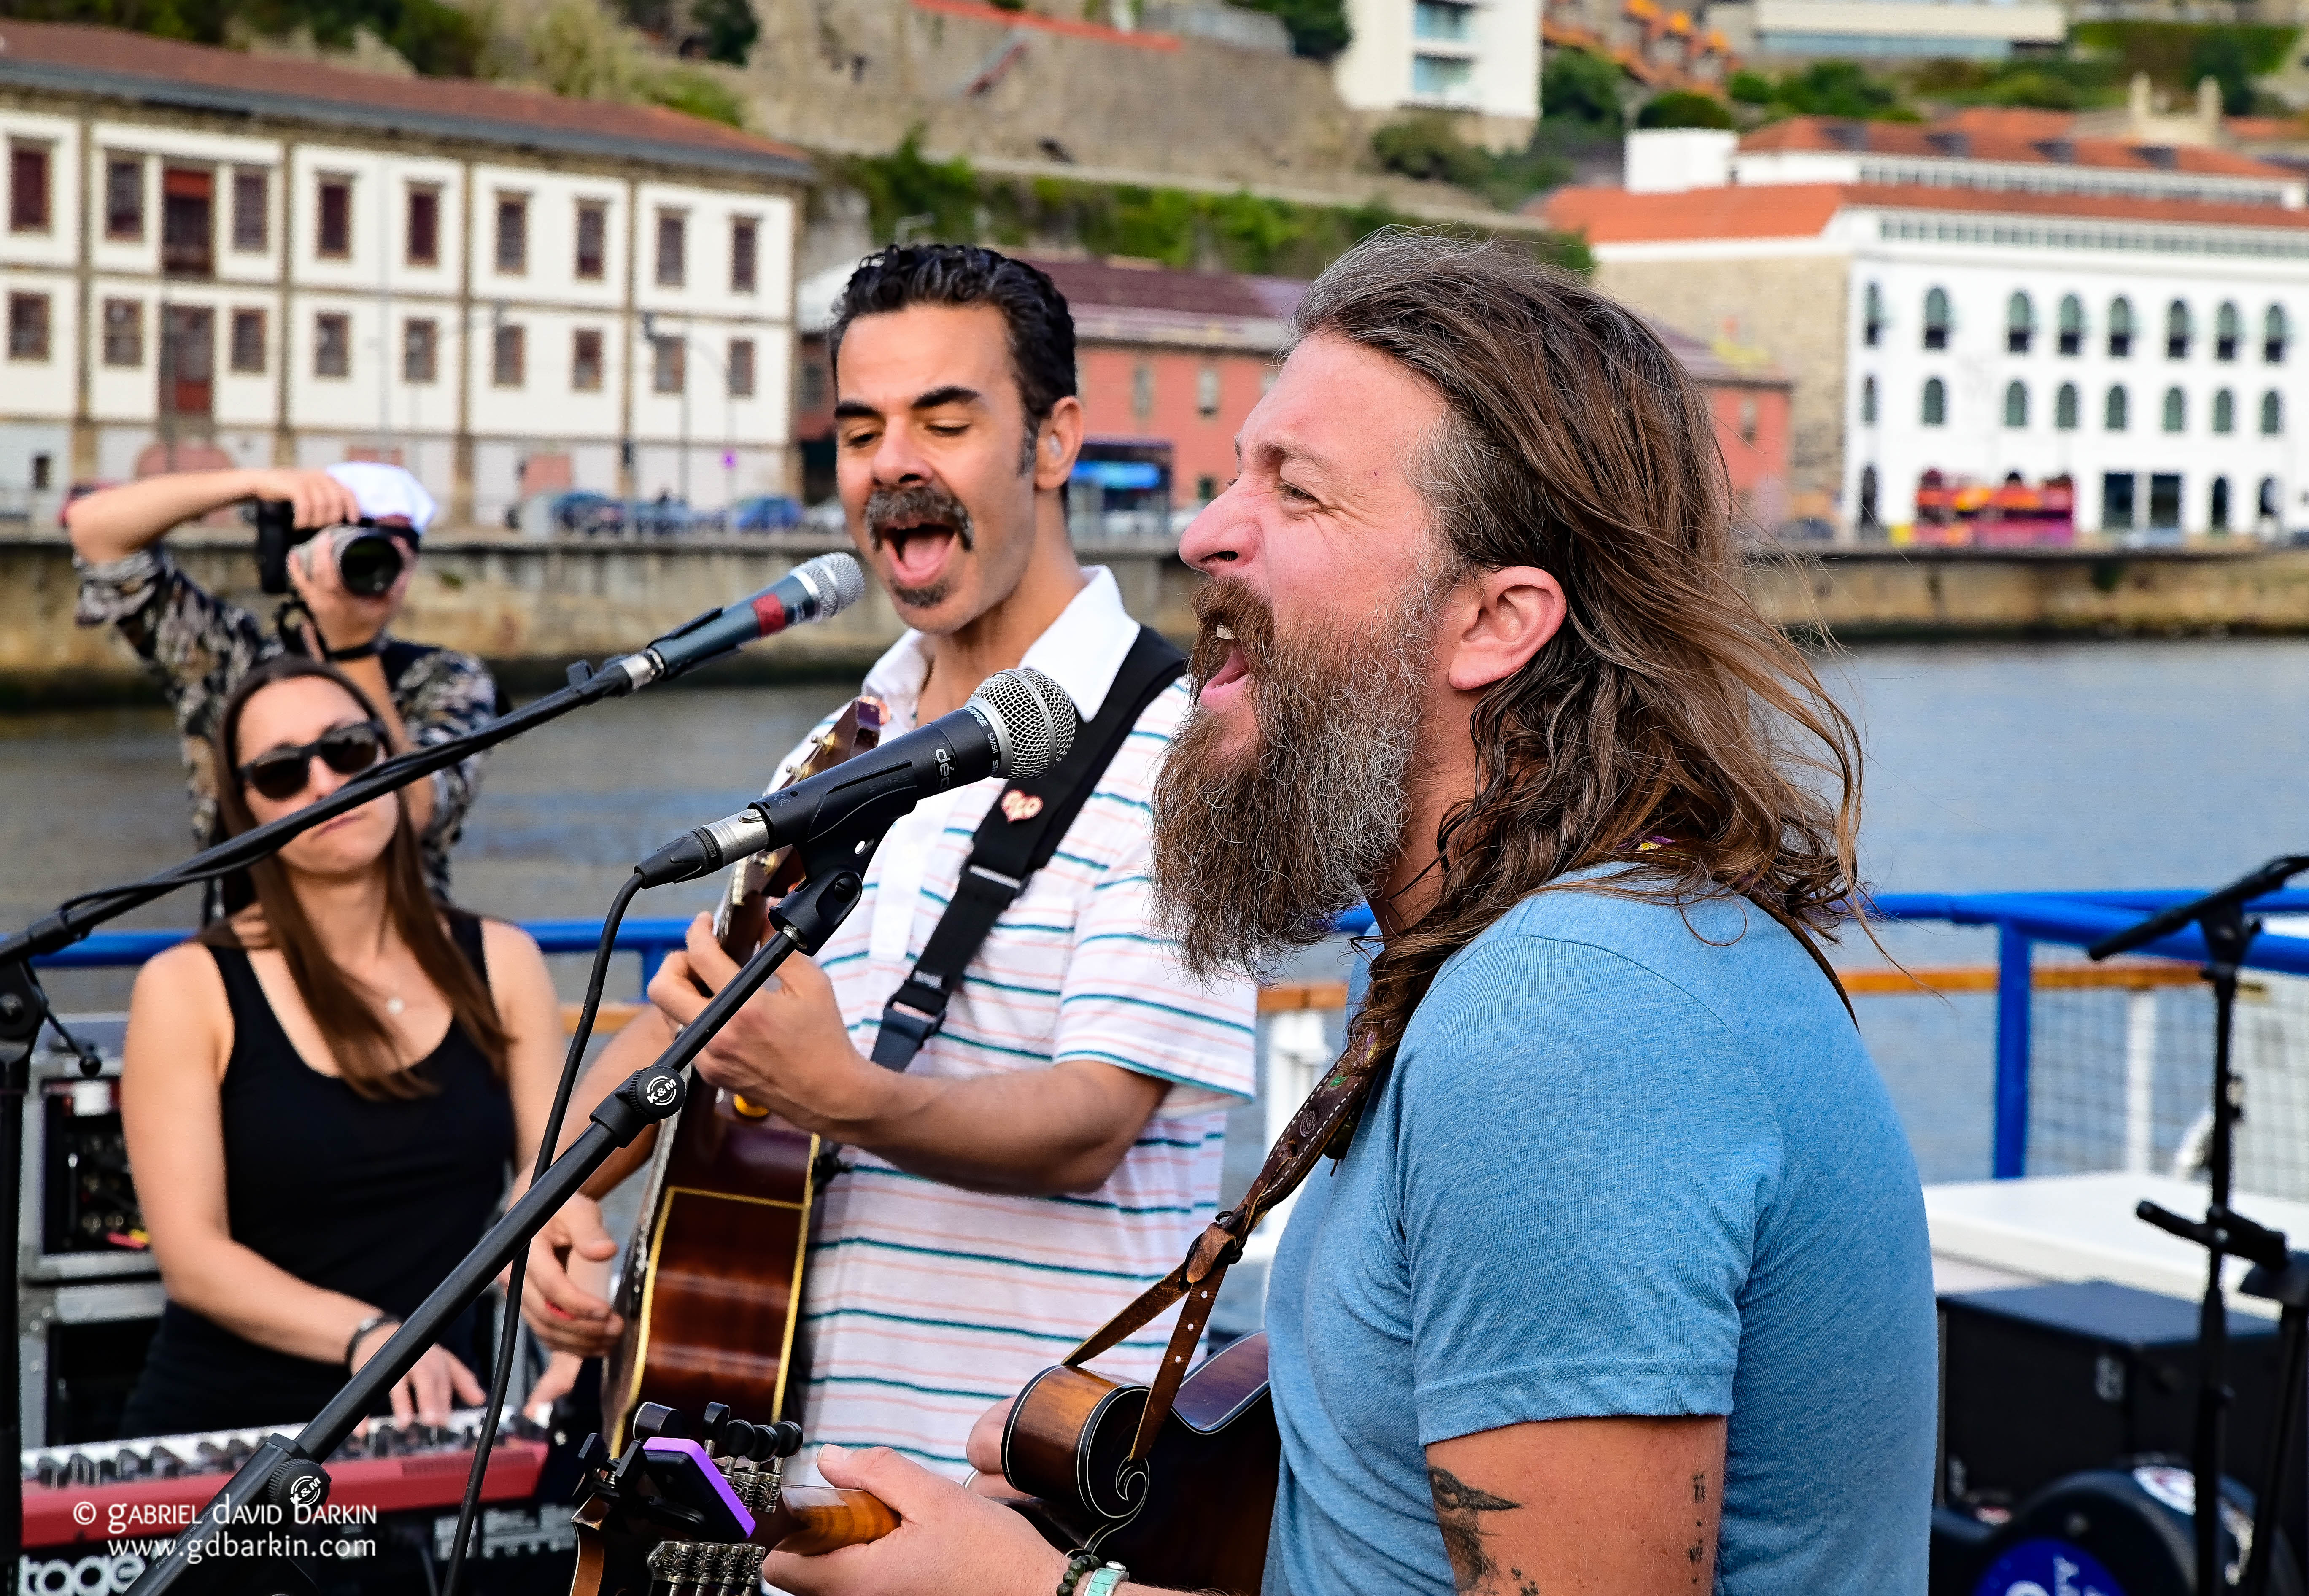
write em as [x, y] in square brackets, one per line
[1329, 1110]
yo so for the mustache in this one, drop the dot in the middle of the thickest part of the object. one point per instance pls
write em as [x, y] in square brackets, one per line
[920, 506]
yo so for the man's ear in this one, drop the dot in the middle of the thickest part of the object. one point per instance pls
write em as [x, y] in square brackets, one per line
[1497, 623]
[1056, 441]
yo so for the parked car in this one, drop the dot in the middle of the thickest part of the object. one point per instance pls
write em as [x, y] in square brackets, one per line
[577, 512]
[664, 516]
[763, 512]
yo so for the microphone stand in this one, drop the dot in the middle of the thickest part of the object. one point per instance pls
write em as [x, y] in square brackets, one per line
[2228, 933]
[24, 1006]
[283, 1478]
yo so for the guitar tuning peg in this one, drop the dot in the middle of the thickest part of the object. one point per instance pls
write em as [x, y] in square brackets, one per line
[656, 1421]
[709, 1423]
[781, 1439]
[593, 1452]
[737, 1437]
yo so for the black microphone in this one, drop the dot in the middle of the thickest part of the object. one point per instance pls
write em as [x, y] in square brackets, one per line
[1018, 724]
[811, 591]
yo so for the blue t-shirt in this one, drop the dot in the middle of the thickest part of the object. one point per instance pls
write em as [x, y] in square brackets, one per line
[1622, 1165]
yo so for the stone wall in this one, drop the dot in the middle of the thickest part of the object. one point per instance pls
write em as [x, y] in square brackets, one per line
[531, 607]
[1793, 309]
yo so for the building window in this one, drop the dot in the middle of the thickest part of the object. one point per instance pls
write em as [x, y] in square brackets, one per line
[2016, 405]
[2165, 501]
[2120, 329]
[28, 326]
[41, 473]
[745, 245]
[123, 197]
[2272, 335]
[1872, 316]
[252, 210]
[2226, 325]
[2117, 501]
[333, 346]
[585, 360]
[420, 344]
[2064, 408]
[1441, 18]
[2224, 411]
[1142, 391]
[1935, 403]
[2072, 325]
[2176, 411]
[424, 225]
[2176, 331]
[593, 227]
[813, 385]
[1936, 319]
[335, 239]
[2268, 512]
[124, 332]
[248, 341]
[1868, 497]
[672, 246]
[1748, 419]
[512, 233]
[2273, 414]
[741, 368]
[2220, 517]
[1207, 391]
[668, 369]
[1868, 401]
[2112, 416]
[508, 356]
[1441, 77]
[2019, 325]
[27, 188]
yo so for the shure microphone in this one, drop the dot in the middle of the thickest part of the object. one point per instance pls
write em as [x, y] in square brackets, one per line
[1018, 724]
[811, 591]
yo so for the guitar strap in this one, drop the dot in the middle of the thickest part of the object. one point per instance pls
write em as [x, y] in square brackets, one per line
[1322, 1126]
[1016, 837]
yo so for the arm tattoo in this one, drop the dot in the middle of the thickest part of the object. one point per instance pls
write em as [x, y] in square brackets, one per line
[1459, 1508]
[1698, 1551]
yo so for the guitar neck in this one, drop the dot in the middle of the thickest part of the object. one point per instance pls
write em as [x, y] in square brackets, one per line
[814, 1519]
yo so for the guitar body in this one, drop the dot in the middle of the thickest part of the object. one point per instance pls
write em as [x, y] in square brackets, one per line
[712, 1286]
[1195, 1515]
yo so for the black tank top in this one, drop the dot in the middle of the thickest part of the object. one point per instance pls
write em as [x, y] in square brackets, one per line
[376, 1198]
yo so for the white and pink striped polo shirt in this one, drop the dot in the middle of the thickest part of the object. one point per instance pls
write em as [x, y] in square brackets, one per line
[924, 1303]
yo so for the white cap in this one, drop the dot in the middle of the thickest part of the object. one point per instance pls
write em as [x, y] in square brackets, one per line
[386, 490]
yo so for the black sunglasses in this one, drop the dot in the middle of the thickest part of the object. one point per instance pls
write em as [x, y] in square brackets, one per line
[280, 772]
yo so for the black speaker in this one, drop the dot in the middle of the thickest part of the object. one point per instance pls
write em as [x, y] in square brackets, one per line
[2039, 1381]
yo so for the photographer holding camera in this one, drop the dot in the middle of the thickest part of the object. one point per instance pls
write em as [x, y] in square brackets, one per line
[360, 523]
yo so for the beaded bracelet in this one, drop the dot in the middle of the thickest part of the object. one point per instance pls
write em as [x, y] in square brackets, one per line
[1078, 1564]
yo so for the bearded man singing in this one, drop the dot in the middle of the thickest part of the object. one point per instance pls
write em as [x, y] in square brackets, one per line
[1622, 1284]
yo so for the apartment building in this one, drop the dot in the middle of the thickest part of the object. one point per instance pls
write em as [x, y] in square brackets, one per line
[212, 257]
[1479, 60]
[1988, 301]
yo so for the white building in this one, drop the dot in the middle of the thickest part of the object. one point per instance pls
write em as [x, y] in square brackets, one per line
[1479, 59]
[212, 257]
[1978, 30]
[1988, 306]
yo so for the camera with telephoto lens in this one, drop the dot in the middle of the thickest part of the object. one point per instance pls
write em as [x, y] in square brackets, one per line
[368, 561]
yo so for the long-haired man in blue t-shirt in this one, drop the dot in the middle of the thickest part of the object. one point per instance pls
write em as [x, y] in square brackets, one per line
[1622, 1283]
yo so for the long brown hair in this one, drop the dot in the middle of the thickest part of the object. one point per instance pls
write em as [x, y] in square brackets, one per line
[1668, 728]
[343, 1010]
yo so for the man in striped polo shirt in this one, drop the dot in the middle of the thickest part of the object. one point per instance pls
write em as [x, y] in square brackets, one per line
[1054, 1146]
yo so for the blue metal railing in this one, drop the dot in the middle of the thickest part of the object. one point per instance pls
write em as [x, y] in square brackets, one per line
[2021, 920]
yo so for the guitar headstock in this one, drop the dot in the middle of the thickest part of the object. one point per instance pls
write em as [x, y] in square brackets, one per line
[755, 881]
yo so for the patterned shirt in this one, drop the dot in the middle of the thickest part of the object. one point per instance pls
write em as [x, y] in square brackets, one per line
[200, 646]
[923, 1304]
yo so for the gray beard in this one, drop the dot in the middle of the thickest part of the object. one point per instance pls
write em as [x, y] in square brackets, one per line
[1255, 855]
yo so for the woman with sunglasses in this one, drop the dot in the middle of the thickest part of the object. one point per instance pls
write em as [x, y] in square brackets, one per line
[325, 1094]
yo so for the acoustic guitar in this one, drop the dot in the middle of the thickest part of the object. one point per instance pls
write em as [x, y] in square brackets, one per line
[712, 1284]
[1193, 1517]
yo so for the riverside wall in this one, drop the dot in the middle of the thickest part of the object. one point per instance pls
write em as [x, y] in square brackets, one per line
[530, 607]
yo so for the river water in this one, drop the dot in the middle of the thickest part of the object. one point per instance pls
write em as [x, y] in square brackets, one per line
[2096, 765]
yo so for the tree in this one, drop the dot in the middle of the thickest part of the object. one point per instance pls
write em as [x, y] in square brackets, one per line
[1319, 28]
[1685, 108]
[729, 27]
[1579, 86]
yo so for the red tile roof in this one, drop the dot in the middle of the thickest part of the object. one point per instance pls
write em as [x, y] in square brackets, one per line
[2007, 137]
[1128, 303]
[137, 65]
[1803, 209]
